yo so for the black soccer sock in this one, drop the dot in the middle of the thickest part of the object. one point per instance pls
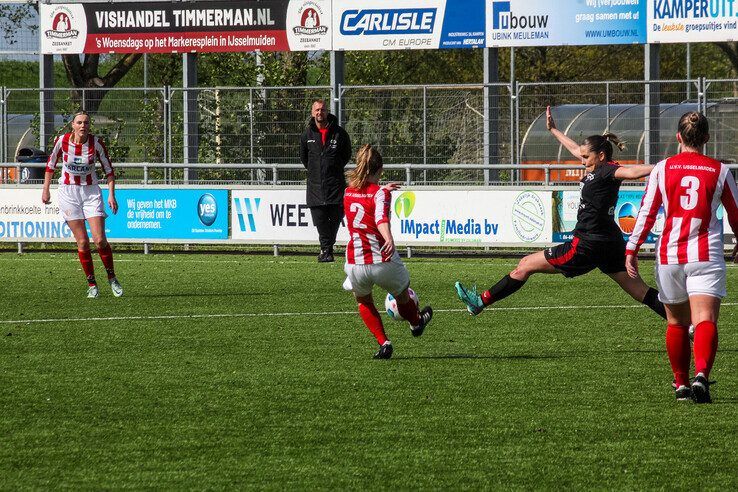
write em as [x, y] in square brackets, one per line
[651, 299]
[502, 289]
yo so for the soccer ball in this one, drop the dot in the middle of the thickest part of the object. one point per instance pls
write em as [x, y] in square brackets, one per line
[390, 304]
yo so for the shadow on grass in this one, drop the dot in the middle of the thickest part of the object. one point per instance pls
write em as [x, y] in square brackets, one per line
[143, 295]
[478, 356]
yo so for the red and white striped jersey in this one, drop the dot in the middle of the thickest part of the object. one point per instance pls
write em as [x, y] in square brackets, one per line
[78, 160]
[691, 187]
[365, 209]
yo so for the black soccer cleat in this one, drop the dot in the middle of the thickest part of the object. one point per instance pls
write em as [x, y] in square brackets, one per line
[385, 351]
[683, 393]
[701, 389]
[426, 315]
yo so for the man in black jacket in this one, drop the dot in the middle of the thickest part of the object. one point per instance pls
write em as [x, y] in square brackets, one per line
[325, 149]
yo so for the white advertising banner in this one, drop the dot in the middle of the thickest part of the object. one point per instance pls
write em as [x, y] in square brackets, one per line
[274, 216]
[24, 218]
[692, 21]
[407, 24]
[570, 22]
[423, 217]
[473, 217]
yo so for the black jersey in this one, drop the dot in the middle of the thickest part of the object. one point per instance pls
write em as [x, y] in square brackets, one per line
[596, 216]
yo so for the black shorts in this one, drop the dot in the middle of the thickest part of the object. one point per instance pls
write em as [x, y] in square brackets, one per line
[580, 256]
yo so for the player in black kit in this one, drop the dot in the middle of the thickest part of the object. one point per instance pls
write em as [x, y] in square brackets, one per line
[598, 241]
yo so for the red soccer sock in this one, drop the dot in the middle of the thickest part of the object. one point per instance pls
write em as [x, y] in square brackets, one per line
[85, 258]
[371, 318]
[409, 311]
[486, 298]
[705, 347]
[106, 255]
[677, 347]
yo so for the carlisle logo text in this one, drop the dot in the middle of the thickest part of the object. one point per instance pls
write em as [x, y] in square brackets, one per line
[388, 21]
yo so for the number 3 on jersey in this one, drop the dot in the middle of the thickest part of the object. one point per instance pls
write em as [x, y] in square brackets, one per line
[688, 200]
[359, 211]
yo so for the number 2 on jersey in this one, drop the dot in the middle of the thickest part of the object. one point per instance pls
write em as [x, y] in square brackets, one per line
[688, 200]
[359, 211]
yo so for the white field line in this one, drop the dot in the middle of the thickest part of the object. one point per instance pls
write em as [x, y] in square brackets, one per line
[310, 261]
[307, 261]
[325, 313]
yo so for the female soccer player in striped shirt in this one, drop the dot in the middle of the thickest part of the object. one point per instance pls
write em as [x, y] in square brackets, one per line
[690, 261]
[371, 257]
[80, 197]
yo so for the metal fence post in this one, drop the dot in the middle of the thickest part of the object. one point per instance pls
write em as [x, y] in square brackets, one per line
[425, 134]
[251, 130]
[515, 138]
[511, 88]
[607, 107]
[3, 129]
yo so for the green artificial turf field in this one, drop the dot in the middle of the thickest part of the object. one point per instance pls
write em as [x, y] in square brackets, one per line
[248, 371]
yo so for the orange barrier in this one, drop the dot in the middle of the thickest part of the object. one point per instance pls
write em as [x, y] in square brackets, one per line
[559, 175]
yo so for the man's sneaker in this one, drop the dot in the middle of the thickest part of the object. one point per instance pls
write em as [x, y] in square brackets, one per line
[325, 256]
[470, 297]
[93, 292]
[385, 351]
[701, 389]
[683, 393]
[115, 287]
[426, 315]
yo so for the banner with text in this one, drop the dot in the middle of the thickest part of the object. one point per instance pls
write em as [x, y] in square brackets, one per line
[407, 24]
[165, 213]
[267, 216]
[573, 22]
[692, 21]
[566, 206]
[471, 217]
[23, 217]
[167, 27]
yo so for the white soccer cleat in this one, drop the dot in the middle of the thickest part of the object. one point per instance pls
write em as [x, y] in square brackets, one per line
[93, 292]
[116, 287]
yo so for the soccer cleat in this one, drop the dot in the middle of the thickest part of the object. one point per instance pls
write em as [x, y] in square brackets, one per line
[691, 333]
[326, 256]
[426, 315]
[472, 300]
[385, 351]
[701, 389]
[93, 292]
[115, 287]
[683, 393]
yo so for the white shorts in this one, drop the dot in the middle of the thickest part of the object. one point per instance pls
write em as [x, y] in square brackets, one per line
[391, 275]
[80, 202]
[677, 282]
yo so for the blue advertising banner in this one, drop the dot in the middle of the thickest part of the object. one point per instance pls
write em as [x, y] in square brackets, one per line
[570, 22]
[158, 213]
[463, 24]
[407, 24]
[566, 206]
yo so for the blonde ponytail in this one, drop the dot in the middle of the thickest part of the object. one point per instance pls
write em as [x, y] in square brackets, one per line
[368, 163]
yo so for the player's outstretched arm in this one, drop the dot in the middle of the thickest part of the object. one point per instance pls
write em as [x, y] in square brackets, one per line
[567, 142]
[633, 172]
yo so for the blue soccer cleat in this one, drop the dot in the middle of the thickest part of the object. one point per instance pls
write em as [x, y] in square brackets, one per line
[470, 297]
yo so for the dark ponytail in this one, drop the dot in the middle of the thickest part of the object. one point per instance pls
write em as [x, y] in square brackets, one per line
[694, 129]
[604, 143]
